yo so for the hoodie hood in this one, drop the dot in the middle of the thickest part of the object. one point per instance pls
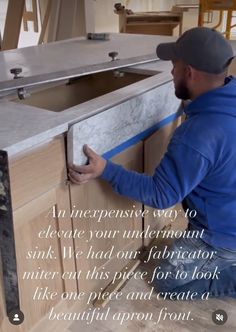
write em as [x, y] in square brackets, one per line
[224, 96]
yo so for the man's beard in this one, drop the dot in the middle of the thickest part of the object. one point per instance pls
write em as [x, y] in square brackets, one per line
[182, 91]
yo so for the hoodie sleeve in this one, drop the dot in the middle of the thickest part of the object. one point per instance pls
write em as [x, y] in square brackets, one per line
[180, 171]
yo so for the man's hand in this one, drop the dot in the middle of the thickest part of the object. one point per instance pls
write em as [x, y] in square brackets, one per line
[95, 168]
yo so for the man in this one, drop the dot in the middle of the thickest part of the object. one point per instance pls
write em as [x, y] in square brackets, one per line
[198, 168]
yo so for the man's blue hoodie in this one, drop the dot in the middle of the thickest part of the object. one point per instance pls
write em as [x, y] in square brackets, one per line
[199, 167]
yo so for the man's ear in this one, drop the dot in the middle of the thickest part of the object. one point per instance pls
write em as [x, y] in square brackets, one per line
[190, 72]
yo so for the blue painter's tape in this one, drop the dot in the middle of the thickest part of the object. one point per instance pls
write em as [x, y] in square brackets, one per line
[141, 136]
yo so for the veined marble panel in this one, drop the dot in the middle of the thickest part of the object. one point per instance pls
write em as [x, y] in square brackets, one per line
[107, 130]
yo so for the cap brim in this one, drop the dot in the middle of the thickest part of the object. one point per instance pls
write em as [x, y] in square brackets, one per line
[167, 51]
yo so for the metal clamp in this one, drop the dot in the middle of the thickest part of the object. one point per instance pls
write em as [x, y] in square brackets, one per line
[113, 55]
[16, 72]
[22, 93]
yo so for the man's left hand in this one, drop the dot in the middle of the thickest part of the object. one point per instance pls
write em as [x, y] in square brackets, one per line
[95, 168]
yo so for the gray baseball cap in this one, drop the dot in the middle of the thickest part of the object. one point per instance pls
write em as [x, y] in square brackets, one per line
[202, 48]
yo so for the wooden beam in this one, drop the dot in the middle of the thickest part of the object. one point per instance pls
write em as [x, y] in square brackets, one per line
[12, 28]
[31, 16]
[45, 20]
[66, 19]
[0, 41]
[89, 12]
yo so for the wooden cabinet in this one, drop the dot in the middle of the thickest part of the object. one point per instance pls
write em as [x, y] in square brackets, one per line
[42, 199]
[40, 257]
[155, 147]
[98, 195]
[39, 190]
[36, 171]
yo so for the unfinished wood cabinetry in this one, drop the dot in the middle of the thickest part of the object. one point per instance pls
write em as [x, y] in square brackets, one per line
[38, 189]
[151, 23]
[41, 257]
[98, 195]
[155, 148]
[85, 91]
[42, 200]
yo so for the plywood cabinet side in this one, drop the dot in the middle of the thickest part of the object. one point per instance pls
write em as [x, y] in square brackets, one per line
[154, 149]
[99, 195]
[36, 171]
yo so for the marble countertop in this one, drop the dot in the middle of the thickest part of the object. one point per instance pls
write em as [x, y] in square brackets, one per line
[76, 53]
[22, 127]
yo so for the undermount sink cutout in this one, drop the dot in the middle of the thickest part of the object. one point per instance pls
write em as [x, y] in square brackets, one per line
[79, 90]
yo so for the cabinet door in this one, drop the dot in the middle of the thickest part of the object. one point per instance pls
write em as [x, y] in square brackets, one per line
[39, 258]
[98, 195]
[155, 147]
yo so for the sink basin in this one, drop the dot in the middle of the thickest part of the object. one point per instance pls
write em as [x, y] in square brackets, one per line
[79, 90]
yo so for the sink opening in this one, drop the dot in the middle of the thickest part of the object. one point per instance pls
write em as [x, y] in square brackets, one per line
[81, 89]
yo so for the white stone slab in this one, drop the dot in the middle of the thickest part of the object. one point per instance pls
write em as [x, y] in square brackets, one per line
[110, 128]
[23, 126]
[73, 53]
